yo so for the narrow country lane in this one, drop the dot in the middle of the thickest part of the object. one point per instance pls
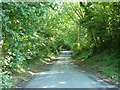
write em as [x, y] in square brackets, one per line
[65, 74]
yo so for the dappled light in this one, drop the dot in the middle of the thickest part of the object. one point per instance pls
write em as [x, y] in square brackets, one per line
[64, 74]
[52, 86]
[44, 73]
[62, 82]
[83, 71]
[59, 43]
[63, 57]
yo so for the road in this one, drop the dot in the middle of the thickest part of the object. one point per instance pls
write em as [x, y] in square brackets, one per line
[64, 73]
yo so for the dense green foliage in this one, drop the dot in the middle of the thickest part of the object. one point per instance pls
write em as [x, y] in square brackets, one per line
[98, 25]
[26, 35]
[95, 36]
[41, 29]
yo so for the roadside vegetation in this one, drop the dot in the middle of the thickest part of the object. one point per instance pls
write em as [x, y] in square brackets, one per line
[37, 31]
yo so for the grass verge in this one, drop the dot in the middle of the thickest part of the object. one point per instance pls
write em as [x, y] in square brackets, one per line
[105, 65]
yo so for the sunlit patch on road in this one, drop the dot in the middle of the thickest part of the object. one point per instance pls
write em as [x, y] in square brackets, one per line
[62, 82]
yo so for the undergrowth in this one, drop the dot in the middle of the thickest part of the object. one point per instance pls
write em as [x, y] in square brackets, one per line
[104, 63]
[28, 70]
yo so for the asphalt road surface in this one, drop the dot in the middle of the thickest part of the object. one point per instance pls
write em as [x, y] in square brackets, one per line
[63, 73]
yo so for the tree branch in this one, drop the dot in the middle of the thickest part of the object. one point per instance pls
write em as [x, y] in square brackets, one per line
[71, 16]
[75, 10]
